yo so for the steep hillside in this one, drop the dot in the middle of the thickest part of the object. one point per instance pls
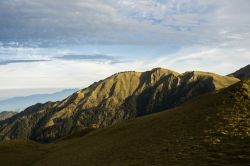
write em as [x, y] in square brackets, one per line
[122, 96]
[6, 114]
[212, 129]
[243, 73]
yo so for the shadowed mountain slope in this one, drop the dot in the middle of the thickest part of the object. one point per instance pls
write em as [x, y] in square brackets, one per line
[119, 97]
[212, 129]
[242, 74]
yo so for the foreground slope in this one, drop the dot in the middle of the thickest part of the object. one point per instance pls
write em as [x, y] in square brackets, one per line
[119, 97]
[213, 129]
[243, 73]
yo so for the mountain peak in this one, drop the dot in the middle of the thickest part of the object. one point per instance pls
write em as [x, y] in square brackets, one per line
[122, 96]
[165, 71]
[217, 80]
[242, 74]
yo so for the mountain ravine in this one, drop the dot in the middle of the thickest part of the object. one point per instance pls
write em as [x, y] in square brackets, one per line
[119, 97]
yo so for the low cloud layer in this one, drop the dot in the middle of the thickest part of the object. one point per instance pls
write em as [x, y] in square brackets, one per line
[6, 62]
[86, 57]
[94, 58]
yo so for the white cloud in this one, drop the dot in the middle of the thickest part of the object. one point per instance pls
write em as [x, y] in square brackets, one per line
[58, 74]
[62, 74]
[215, 59]
[123, 21]
[213, 36]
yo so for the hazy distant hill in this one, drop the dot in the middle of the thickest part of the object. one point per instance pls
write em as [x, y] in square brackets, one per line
[211, 129]
[6, 114]
[19, 103]
[122, 96]
[243, 73]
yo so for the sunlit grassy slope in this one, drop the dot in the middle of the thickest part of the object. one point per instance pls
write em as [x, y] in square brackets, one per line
[212, 129]
[119, 97]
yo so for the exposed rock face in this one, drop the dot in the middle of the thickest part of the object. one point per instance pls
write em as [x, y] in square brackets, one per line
[242, 74]
[119, 97]
[6, 114]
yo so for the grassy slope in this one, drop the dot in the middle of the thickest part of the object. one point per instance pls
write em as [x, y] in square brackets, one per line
[21, 152]
[213, 128]
[122, 96]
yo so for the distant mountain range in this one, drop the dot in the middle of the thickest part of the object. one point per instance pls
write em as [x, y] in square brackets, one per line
[122, 96]
[20, 103]
[7, 114]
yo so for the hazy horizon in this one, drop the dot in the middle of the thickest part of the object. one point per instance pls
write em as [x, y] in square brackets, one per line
[10, 93]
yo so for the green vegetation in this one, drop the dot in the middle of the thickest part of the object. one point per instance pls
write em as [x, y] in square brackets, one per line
[212, 129]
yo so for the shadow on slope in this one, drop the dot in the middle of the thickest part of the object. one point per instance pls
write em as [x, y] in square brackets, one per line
[211, 129]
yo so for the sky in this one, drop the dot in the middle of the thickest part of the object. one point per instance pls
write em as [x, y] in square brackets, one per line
[61, 44]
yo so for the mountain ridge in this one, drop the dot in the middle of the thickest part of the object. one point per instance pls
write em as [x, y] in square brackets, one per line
[122, 96]
[210, 129]
[242, 74]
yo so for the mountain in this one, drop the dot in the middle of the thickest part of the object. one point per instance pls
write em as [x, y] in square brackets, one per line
[20, 103]
[122, 96]
[6, 114]
[211, 129]
[242, 74]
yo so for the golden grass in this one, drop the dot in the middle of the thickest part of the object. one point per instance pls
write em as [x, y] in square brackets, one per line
[212, 129]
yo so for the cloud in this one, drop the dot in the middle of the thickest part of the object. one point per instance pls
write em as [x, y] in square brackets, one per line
[81, 73]
[82, 38]
[146, 22]
[86, 57]
[6, 62]
[212, 59]
[94, 58]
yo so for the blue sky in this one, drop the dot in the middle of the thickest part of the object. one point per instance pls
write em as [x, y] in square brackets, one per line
[65, 44]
